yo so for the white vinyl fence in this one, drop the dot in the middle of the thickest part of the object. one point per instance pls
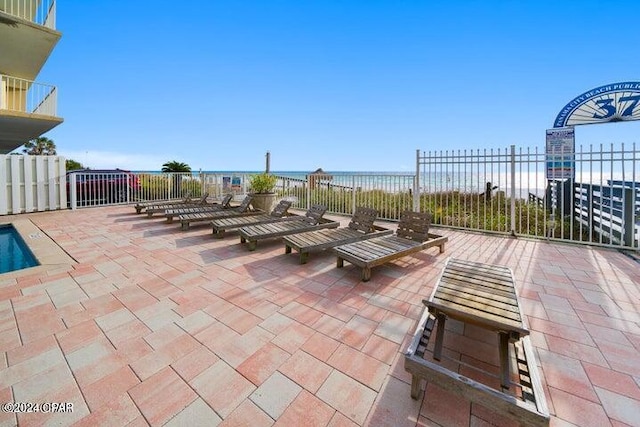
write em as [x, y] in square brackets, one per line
[32, 184]
[341, 193]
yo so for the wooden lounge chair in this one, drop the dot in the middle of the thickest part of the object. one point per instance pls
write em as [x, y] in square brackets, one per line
[360, 227]
[278, 213]
[140, 206]
[225, 203]
[162, 207]
[244, 209]
[412, 236]
[311, 221]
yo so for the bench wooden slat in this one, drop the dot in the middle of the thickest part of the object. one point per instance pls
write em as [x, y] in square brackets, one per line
[376, 248]
[491, 287]
[312, 221]
[478, 308]
[461, 287]
[277, 214]
[479, 297]
[265, 231]
[491, 276]
[479, 317]
[491, 311]
[320, 237]
[187, 219]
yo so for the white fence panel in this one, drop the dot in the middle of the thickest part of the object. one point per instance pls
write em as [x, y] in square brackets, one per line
[32, 184]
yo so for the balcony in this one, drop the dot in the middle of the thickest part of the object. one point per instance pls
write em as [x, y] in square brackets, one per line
[27, 36]
[27, 110]
[41, 12]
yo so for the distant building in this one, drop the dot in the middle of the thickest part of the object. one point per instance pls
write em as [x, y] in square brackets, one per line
[318, 177]
[28, 35]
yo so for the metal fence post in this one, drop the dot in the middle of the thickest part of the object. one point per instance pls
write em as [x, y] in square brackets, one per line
[72, 191]
[416, 184]
[245, 180]
[353, 194]
[513, 190]
[628, 217]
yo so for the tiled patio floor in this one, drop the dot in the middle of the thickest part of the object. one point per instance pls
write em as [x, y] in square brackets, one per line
[157, 326]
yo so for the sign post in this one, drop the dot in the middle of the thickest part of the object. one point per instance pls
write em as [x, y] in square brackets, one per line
[560, 166]
[560, 155]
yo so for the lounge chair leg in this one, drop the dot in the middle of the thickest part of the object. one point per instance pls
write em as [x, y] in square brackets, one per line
[415, 386]
[184, 226]
[339, 263]
[169, 219]
[287, 249]
[304, 256]
[504, 360]
[366, 274]
[218, 234]
[252, 245]
[138, 210]
[442, 248]
[437, 350]
[242, 240]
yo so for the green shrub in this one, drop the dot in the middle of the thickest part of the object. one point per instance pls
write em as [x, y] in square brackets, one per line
[262, 183]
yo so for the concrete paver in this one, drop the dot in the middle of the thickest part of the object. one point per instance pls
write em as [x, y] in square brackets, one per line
[153, 325]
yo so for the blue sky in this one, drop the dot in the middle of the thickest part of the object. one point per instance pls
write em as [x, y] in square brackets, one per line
[342, 85]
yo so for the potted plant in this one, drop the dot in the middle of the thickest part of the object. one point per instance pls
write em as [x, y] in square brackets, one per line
[261, 187]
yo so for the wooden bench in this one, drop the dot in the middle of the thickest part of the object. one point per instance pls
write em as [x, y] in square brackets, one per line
[311, 221]
[241, 210]
[253, 233]
[162, 207]
[411, 236]
[170, 214]
[483, 295]
[279, 213]
[361, 227]
[140, 206]
[225, 203]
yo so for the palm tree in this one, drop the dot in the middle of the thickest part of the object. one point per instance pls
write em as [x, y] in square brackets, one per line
[175, 166]
[41, 146]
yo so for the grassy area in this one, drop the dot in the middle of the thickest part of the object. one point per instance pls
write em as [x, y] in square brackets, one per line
[155, 187]
[456, 209]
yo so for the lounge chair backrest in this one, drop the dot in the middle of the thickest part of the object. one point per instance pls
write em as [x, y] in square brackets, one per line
[315, 213]
[204, 197]
[363, 219]
[187, 197]
[281, 209]
[414, 226]
[226, 201]
[244, 206]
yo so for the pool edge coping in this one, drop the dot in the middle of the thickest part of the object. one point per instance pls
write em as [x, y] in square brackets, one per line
[49, 255]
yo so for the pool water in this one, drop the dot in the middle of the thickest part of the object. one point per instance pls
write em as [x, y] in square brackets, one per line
[14, 252]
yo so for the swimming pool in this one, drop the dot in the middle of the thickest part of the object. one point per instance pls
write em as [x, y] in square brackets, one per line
[14, 252]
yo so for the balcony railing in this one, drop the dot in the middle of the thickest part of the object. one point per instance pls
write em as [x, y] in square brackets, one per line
[29, 97]
[41, 12]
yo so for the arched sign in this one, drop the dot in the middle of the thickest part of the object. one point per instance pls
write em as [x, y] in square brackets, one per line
[614, 102]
